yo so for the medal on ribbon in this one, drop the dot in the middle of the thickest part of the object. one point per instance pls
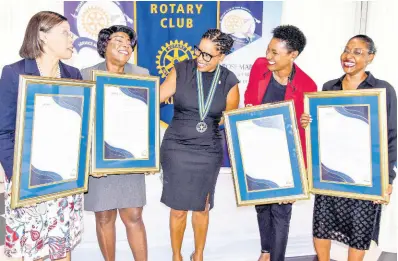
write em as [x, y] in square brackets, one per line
[204, 107]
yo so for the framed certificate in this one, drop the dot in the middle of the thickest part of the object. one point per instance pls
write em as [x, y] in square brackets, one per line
[266, 156]
[52, 140]
[347, 151]
[126, 138]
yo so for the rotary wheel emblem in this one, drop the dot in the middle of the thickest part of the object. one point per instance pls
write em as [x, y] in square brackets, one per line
[94, 19]
[170, 54]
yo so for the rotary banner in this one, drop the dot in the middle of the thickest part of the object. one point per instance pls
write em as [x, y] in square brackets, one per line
[242, 20]
[250, 24]
[167, 33]
[87, 18]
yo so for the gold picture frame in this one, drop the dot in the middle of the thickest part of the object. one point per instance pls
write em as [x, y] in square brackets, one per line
[365, 108]
[150, 162]
[272, 193]
[58, 93]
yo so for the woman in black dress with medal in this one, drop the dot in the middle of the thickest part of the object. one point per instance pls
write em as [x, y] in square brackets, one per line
[191, 151]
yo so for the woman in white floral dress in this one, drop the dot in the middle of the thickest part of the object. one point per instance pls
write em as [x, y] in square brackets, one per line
[53, 228]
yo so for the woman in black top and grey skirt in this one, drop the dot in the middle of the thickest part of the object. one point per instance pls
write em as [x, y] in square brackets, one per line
[351, 221]
[191, 151]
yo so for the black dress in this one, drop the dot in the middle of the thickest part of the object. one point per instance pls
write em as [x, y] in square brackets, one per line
[191, 160]
[356, 222]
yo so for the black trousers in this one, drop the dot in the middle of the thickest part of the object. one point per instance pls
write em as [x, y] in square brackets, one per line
[274, 222]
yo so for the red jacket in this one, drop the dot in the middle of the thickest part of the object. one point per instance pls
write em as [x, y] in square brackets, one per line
[260, 76]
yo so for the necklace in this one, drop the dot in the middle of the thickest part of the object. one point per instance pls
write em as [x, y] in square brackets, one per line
[58, 75]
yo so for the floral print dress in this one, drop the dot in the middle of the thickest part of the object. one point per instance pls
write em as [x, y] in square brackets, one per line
[49, 229]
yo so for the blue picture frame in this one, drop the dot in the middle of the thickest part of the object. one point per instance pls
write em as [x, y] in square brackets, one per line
[126, 130]
[266, 156]
[52, 140]
[347, 147]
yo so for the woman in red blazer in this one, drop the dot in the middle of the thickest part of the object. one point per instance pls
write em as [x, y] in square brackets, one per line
[277, 78]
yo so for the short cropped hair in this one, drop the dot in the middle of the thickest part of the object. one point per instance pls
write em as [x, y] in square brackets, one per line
[292, 36]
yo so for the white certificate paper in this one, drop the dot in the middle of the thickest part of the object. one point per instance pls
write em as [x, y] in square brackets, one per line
[56, 137]
[344, 144]
[126, 123]
[265, 153]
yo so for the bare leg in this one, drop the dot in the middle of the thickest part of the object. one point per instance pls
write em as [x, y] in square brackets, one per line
[322, 248]
[178, 223]
[355, 254]
[136, 234]
[106, 233]
[264, 257]
[200, 224]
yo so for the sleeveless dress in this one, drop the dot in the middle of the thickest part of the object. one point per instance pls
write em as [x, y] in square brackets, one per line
[191, 160]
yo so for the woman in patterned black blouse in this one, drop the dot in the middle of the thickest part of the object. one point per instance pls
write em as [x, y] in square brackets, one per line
[351, 221]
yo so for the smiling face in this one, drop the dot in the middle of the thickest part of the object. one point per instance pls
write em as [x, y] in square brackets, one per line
[119, 49]
[278, 55]
[355, 56]
[208, 55]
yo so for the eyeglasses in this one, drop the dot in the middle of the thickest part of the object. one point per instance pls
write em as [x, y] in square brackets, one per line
[64, 33]
[119, 41]
[356, 51]
[67, 34]
[206, 56]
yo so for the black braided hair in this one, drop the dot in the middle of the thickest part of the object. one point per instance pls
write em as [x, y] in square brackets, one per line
[369, 42]
[223, 41]
[105, 34]
[292, 36]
